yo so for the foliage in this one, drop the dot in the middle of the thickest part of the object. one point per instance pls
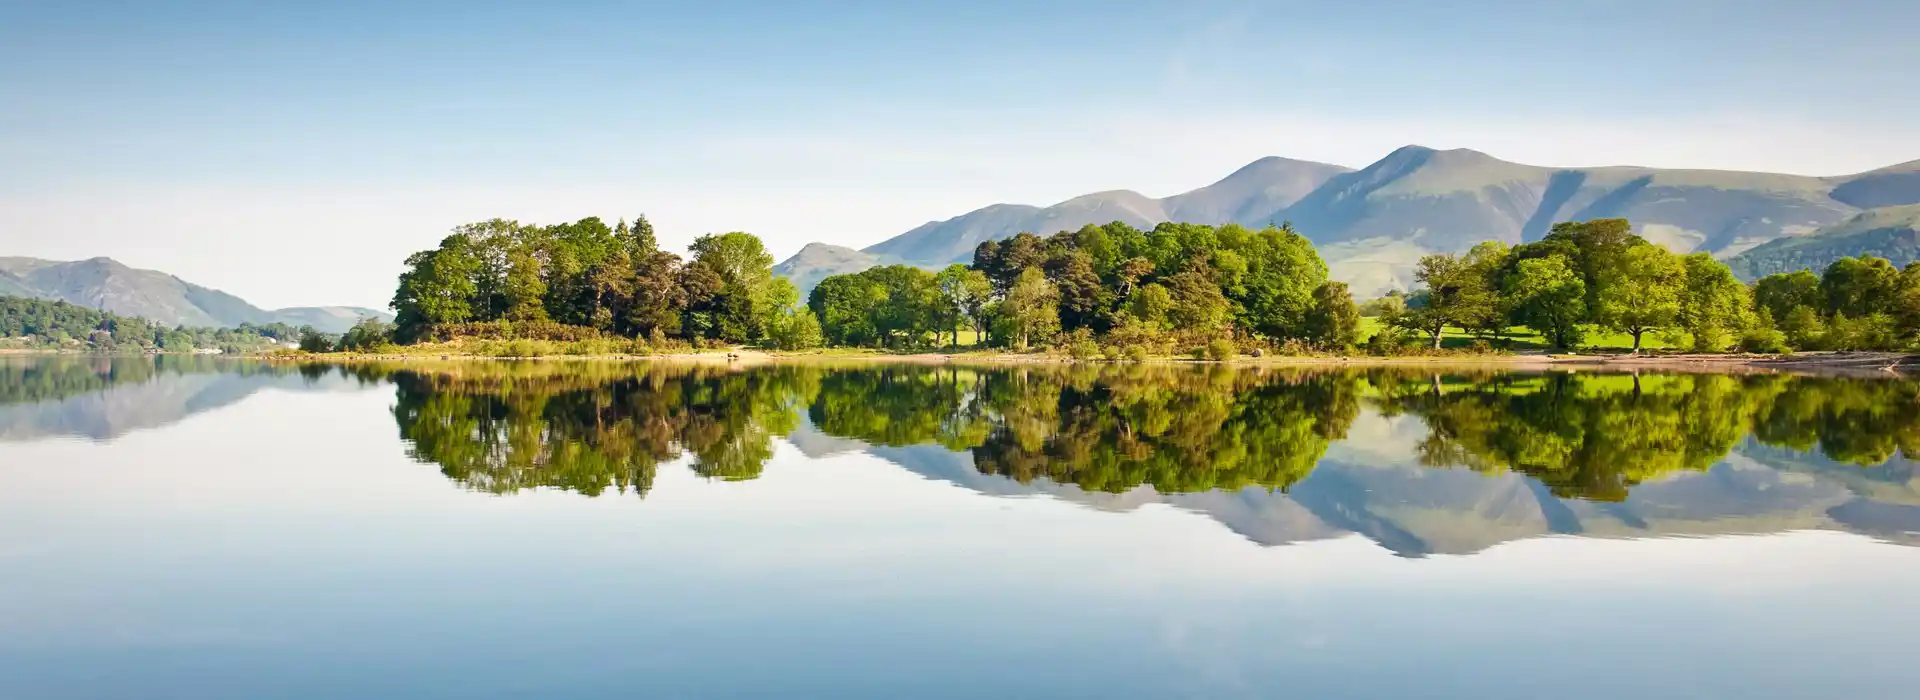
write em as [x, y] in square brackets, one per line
[1549, 296]
[58, 325]
[611, 279]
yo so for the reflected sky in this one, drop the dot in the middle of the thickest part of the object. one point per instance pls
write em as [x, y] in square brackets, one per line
[290, 544]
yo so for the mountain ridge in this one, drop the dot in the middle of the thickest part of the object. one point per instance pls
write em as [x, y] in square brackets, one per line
[105, 283]
[1373, 224]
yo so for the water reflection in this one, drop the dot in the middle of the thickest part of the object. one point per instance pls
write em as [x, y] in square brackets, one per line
[1418, 461]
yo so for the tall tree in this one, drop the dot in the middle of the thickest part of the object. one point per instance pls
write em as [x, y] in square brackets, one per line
[1549, 296]
[1031, 309]
[1334, 320]
[1716, 306]
[1643, 293]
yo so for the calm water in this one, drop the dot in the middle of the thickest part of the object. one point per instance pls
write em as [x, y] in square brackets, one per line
[217, 529]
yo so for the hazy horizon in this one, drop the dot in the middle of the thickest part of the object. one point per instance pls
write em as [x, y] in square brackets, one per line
[293, 156]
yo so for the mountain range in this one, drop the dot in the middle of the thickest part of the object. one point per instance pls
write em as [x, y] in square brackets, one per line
[103, 283]
[1373, 224]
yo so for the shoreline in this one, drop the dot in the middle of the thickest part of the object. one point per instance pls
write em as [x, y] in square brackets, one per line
[1836, 362]
[1824, 362]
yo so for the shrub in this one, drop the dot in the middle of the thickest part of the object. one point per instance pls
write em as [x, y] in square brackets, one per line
[1221, 350]
[1081, 346]
[1138, 353]
[315, 341]
[1764, 340]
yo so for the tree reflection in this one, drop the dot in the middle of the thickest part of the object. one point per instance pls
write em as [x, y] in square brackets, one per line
[1595, 436]
[505, 427]
[591, 427]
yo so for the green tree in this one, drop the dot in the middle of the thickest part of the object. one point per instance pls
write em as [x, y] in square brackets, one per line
[1549, 296]
[1644, 293]
[738, 309]
[1716, 306]
[1334, 320]
[1031, 309]
[1859, 287]
[799, 330]
[1781, 293]
[964, 294]
[1456, 295]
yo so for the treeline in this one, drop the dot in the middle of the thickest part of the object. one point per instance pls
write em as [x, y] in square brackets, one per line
[55, 325]
[1121, 291]
[503, 278]
[1175, 284]
[1596, 274]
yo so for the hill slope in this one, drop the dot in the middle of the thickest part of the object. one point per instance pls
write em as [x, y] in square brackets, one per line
[1373, 224]
[1888, 232]
[818, 261]
[1252, 192]
[103, 283]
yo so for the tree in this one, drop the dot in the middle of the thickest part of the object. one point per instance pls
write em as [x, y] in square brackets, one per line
[439, 286]
[1804, 328]
[1859, 287]
[1031, 309]
[1549, 296]
[1198, 306]
[1151, 304]
[964, 294]
[369, 333]
[1334, 320]
[1715, 306]
[737, 310]
[1271, 275]
[844, 305]
[1643, 293]
[1456, 295]
[798, 330]
[1781, 293]
[314, 341]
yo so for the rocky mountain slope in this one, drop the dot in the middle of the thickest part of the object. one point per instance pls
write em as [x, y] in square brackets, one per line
[104, 283]
[1373, 224]
[1888, 232]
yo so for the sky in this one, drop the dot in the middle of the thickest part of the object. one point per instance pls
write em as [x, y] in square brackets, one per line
[295, 153]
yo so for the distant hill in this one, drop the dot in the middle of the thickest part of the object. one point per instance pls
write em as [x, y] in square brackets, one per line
[1373, 224]
[1888, 232]
[1250, 193]
[818, 261]
[103, 283]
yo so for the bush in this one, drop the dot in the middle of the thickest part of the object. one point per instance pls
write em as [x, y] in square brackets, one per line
[1138, 353]
[1764, 340]
[315, 341]
[1221, 350]
[1081, 346]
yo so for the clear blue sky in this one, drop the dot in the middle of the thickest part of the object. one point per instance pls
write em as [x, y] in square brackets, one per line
[292, 153]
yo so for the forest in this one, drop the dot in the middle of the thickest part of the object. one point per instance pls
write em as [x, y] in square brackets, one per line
[1118, 291]
[56, 325]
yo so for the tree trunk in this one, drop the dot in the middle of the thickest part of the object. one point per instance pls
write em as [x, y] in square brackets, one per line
[1636, 344]
[1436, 336]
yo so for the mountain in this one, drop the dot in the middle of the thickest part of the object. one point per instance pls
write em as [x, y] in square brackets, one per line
[1888, 232]
[818, 261]
[1890, 186]
[104, 283]
[1373, 224]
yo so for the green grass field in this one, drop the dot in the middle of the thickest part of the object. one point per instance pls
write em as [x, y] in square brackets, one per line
[1523, 338]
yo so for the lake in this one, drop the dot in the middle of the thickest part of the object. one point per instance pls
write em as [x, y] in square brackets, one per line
[205, 528]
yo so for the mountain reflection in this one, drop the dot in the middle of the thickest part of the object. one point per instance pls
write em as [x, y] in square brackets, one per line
[1418, 460]
[1272, 454]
